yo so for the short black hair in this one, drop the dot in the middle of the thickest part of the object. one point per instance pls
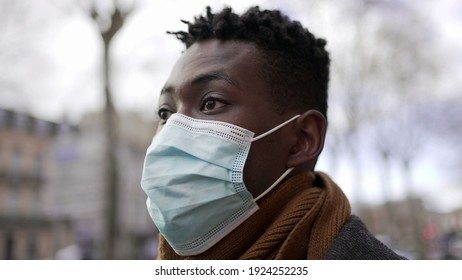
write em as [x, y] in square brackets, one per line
[294, 62]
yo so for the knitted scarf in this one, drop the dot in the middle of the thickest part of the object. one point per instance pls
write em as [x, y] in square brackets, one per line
[299, 220]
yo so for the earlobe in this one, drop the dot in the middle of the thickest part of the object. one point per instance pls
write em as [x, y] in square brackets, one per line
[311, 130]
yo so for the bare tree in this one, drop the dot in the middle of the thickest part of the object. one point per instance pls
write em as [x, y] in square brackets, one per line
[110, 23]
[379, 73]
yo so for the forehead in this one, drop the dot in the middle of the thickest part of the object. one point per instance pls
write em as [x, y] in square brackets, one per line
[238, 59]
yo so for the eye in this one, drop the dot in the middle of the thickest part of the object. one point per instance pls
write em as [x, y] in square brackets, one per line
[210, 104]
[164, 114]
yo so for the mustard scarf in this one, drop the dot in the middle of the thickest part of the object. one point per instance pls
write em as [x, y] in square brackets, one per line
[299, 220]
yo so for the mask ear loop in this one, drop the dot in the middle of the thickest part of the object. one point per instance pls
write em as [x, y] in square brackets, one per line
[274, 184]
[274, 129]
[288, 170]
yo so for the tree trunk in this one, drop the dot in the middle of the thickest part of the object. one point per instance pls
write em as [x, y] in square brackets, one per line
[111, 229]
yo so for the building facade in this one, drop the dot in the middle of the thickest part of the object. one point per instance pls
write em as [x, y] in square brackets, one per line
[77, 184]
[27, 229]
[415, 231]
[52, 188]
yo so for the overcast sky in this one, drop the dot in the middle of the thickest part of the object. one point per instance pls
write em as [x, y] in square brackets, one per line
[66, 80]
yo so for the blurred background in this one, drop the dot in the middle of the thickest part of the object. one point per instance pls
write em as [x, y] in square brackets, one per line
[79, 82]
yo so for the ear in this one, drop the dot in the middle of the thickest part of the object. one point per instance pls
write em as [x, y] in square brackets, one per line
[311, 131]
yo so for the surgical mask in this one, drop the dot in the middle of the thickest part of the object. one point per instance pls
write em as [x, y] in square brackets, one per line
[193, 177]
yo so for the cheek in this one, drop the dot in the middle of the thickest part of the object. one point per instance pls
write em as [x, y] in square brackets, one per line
[263, 166]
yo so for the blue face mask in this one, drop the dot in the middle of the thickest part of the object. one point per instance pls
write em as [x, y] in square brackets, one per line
[193, 177]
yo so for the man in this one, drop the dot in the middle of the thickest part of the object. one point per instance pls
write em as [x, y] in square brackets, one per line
[230, 173]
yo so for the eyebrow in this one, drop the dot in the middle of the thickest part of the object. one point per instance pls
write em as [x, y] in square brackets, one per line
[205, 78]
[211, 76]
[166, 89]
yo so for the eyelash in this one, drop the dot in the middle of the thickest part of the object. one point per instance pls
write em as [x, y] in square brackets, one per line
[160, 113]
[210, 98]
[167, 111]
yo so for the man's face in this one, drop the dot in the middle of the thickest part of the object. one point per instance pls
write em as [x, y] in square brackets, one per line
[215, 80]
